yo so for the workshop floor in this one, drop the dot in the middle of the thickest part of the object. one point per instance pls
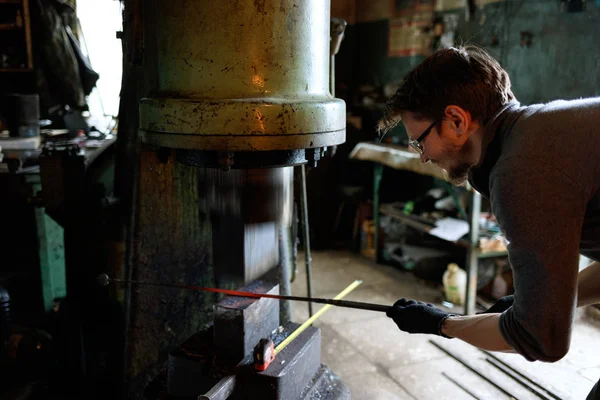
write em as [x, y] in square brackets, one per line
[379, 362]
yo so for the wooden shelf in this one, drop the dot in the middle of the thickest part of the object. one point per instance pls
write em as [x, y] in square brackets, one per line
[16, 70]
[25, 28]
[425, 228]
[492, 254]
[9, 27]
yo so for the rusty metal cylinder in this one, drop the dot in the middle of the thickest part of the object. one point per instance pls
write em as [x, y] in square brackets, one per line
[242, 76]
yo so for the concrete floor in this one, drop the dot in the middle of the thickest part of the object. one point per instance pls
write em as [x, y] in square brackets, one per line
[379, 362]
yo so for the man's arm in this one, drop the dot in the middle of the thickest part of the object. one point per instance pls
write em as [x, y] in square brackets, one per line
[588, 285]
[482, 330]
[541, 211]
[479, 330]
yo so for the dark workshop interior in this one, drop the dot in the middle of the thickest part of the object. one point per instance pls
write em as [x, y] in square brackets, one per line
[157, 157]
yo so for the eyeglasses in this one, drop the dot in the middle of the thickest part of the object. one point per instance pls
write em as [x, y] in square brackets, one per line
[416, 144]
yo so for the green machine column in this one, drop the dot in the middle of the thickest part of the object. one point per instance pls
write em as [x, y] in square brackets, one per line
[51, 250]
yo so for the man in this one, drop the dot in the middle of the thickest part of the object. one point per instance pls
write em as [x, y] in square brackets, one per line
[539, 166]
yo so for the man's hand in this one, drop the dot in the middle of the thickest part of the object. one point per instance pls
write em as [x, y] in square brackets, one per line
[501, 305]
[417, 317]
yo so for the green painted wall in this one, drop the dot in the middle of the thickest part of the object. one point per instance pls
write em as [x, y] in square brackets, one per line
[564, 58]
[562, 62]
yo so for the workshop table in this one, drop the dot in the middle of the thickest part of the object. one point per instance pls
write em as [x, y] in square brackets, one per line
[401, 158]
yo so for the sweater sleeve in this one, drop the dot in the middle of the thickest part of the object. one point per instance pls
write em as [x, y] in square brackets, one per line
[541, 211]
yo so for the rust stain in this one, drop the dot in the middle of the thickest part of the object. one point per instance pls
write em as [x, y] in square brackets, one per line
[260, 6]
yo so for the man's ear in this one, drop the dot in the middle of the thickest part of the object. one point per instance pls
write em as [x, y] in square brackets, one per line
[459, 119]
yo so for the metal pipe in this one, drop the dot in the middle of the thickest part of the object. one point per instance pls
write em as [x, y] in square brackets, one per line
[460, 385]
[312, 319]
[472, 259]
[285, 267]
[221, 391]
[525, 377]
[336, 30]
[517, 379]
[332, 75]
[377, 175]
[473, 369]
[306, 233]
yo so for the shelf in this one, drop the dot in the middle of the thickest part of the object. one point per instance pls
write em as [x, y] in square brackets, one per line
[425, 228]
[16, 69]
[405, 219]
[9, 27]
[491, 254]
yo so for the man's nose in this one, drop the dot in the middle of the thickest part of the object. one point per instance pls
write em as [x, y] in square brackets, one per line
[424, 159]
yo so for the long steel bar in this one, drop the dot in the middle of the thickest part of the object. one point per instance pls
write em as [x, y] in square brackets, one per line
[473, 369]
[518, 379]
[460, 385]
[338, 303]
[312, 319]
[221, 391]
[525, 377]
[472, 260]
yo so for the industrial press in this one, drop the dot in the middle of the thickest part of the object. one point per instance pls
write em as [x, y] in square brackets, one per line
[233, 95]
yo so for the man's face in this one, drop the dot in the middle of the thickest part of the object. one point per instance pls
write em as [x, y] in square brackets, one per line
[443, 146]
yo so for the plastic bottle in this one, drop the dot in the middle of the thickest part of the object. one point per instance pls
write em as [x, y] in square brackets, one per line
[455, 283]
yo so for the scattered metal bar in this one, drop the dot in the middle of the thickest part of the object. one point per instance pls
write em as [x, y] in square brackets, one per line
[473, 369]
[525, 377]
[517, 379]
[460, 385]
[221, 391]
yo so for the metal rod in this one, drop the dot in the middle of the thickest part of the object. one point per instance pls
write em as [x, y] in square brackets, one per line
[517, 379]
[338, 303]
[312, 319]
[477, 372]
[472, 260]
[377, 175]
[285, 267]
[221, 391]
[332, 75]
[460, 385]
[525, 377]
[306, 232]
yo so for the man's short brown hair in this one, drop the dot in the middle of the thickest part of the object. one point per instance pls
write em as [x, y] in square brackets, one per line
[465, 76]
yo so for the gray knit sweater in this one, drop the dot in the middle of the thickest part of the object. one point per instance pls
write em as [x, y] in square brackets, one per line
[541, 173]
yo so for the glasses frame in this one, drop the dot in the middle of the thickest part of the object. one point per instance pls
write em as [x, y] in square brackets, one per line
[416, 144]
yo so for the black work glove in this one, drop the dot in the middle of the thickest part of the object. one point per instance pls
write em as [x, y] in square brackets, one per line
[417, 317]
[501, 305]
